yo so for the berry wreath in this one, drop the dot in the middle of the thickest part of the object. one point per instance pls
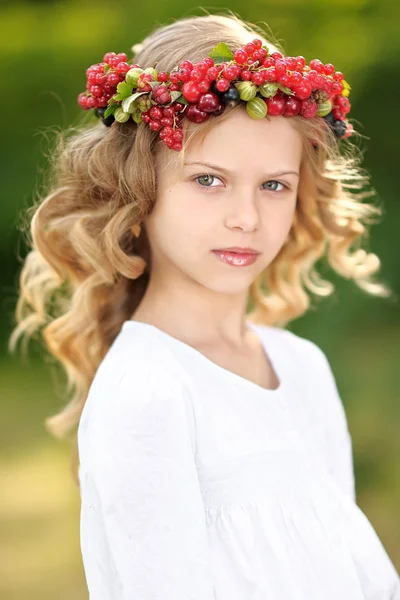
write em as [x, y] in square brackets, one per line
[267, 84]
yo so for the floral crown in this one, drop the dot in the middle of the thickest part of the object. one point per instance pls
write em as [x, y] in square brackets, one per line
[267, 84]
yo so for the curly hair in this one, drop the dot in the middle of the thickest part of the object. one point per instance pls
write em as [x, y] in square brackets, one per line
[89, 260]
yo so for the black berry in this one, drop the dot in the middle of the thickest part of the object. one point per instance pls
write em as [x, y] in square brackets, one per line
[339, 128]
[231, 95]
[100, 113]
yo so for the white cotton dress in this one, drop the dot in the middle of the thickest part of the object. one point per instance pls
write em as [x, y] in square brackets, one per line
[199, 484]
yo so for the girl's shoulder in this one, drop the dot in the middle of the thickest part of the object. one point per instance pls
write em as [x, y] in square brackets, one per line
[292, 344]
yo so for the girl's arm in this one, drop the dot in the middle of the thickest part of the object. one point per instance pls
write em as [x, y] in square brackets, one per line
[141, 468]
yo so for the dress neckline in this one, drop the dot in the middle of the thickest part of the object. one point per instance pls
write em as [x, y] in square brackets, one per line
[229, 375]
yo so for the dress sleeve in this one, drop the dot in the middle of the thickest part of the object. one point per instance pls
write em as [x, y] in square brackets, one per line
[337, 438]
[145, 478]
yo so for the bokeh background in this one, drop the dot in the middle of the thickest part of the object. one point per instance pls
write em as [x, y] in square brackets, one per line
[45, 50]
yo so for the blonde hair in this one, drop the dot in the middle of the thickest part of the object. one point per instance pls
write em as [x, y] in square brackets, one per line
[89, 262]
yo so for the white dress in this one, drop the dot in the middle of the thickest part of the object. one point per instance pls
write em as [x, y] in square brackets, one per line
[198, 484]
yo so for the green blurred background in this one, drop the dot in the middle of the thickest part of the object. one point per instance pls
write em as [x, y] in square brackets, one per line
[45, 49]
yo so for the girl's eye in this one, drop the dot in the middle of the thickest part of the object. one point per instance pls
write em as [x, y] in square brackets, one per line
[206, 180]
[274, 182]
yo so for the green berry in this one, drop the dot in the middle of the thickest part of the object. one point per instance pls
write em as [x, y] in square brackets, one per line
[324, 109]
[151, 71]
[268, 90]
[256, 108]
[121, 116]
[132, 76]
[247, 90]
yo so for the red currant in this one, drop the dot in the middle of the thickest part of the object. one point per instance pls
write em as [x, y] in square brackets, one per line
[338, 76]
[122, 67]
[337, 113]
[245, 75]
[284, 79]
[258, 78]
[222, 85]
[271, 74]
[82, 100]
[202, 67]
[155, 112]
[337, 87]
[113, 78]
[169, 141]
[276, 55]
[229, 73]
[295, 79]
[257, 43]
[155, 125]
[329, 69]
[303, 90]
[196, 75]
[168, 111]
[166, 122]
[204, 86]
[317, 65]
[184, 74]
[186, 64]
[190, 91]
[108, 56]
[212, 73]
[178, 135]
[101, 78]
[240, 56]
[249, 48]
[301, 62]
[269, 62]
[96, 91]
[291, 63]
[162, 76]
[280, 66]
[209, 61]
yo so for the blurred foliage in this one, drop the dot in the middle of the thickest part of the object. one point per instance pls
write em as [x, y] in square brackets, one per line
[46, 47]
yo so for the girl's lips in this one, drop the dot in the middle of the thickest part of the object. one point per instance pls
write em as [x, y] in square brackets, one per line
[235, 258]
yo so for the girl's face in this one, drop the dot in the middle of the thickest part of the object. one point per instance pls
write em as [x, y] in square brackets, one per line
[237, 188]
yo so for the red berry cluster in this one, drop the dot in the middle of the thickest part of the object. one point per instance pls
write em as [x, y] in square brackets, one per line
[102, 80]
[268, 84]
[166, 120]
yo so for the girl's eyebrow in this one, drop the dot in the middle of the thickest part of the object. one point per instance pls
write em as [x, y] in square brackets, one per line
[216, 168]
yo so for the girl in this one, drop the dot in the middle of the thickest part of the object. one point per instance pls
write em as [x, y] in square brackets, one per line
[175, 245]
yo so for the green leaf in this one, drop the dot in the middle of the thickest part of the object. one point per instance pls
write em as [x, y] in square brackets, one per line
[127, 104]
[221, 53]
[123, 90]
[110, 110]
[286, 90]
[182, 100]
[175, 95]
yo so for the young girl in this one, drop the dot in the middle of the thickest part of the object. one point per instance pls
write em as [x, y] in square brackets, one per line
[179, 238]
